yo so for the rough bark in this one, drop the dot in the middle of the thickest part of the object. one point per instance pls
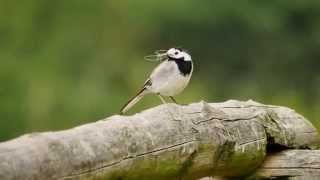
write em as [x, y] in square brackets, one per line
[165, 142]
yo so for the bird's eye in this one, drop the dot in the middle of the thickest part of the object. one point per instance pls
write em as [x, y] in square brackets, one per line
[176, 53]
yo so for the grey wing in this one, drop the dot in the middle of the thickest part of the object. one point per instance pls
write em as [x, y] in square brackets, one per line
[162, 72]
[161, 76]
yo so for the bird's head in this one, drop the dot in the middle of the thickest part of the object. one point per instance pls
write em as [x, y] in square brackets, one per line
[178, 54]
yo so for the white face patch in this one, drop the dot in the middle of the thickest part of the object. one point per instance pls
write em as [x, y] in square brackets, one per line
[187, 57]
[176, 53]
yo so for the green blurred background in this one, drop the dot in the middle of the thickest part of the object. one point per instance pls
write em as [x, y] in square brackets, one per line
[66, 63]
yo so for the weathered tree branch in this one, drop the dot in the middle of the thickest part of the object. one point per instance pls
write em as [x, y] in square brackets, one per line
[165, 142]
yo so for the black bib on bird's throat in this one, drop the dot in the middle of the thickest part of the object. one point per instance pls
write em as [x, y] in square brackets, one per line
[185, 67]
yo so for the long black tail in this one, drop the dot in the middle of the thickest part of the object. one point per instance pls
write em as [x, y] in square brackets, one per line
[133, 100]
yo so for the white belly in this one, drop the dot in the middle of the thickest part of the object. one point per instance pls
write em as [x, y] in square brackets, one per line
[167, 80]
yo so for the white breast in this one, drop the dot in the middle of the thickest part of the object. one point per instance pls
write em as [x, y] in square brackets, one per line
[167, 80]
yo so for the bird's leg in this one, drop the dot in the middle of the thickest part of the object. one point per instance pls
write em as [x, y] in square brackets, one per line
[164, 102]
[171, 97]
[162, 99]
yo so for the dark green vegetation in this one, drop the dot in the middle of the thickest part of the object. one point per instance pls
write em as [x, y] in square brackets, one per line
[65, 63]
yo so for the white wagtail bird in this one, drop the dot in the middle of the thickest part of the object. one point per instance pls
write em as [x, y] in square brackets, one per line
[169, 78]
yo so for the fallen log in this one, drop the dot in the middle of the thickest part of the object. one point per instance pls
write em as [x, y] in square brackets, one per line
[228, 139]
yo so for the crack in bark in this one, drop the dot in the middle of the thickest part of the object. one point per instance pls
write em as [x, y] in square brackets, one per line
[241, 119]
[249, 142]
[225, 119]
[124, 159]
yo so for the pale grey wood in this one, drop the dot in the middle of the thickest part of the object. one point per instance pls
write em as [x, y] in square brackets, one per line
[165, 142]
[294, 164]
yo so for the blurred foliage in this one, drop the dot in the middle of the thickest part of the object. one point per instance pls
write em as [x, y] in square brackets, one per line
[65, 63]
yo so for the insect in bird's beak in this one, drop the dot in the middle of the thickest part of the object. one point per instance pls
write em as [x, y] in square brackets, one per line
[159, 55]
